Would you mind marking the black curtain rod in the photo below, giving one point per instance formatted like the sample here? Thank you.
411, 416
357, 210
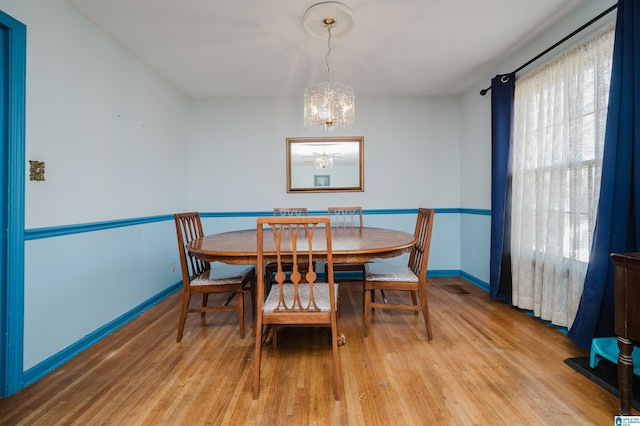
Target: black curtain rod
614, 7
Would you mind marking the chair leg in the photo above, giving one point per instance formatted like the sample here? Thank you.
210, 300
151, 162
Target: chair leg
364, 277
240, 309
335, 364
425, 312
205, 300
252, 283
256, 358
274, 336
415, 301
367, 310
186, 297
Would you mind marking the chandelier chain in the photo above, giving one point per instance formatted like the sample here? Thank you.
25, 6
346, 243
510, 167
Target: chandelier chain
328, 53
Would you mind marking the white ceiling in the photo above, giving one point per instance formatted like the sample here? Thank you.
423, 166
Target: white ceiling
211, 48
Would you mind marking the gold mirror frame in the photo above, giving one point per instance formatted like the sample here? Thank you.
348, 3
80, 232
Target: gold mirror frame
345, 175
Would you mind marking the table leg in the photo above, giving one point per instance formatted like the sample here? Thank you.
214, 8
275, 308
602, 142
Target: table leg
625, 374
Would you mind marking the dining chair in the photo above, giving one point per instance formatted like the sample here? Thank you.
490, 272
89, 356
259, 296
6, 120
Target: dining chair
290, 211
349, 218
199, 277
270, 268
302, 301
386, 275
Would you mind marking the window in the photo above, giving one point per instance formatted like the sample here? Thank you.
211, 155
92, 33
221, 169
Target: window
558, 137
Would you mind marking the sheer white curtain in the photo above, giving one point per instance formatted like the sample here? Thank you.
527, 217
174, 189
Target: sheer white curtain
559, 122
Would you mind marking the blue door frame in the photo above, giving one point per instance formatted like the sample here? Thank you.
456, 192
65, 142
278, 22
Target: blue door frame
12, 184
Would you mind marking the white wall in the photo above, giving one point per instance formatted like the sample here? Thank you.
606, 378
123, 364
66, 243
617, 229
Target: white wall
113, 136
237, 154
111, 132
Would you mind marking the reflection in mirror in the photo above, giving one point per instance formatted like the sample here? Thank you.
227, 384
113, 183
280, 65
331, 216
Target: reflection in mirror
325, 164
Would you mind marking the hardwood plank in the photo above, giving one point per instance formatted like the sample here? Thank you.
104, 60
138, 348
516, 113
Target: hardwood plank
488, 363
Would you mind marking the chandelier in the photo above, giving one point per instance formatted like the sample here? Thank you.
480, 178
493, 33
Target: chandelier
329, 104
323, 161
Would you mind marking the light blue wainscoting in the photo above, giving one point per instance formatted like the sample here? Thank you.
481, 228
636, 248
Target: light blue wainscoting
475, 243
83, 282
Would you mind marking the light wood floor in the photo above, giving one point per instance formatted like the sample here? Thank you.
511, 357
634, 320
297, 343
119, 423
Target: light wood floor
489, 364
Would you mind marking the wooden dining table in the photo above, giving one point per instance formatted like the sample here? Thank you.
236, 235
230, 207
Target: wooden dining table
349, 245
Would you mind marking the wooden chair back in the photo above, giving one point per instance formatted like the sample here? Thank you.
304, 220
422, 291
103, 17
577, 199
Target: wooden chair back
345, 217
290, 211
419, 257
270, 268
188, 228
294, 239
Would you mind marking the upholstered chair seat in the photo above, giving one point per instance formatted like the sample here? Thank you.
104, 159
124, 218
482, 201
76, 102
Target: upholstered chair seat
320, 292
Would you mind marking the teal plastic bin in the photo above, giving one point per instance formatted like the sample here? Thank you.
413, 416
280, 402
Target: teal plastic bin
607, 348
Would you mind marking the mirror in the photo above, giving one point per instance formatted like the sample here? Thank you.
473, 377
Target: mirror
325, 164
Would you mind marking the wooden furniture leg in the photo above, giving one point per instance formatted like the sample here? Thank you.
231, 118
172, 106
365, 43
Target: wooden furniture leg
625, 374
